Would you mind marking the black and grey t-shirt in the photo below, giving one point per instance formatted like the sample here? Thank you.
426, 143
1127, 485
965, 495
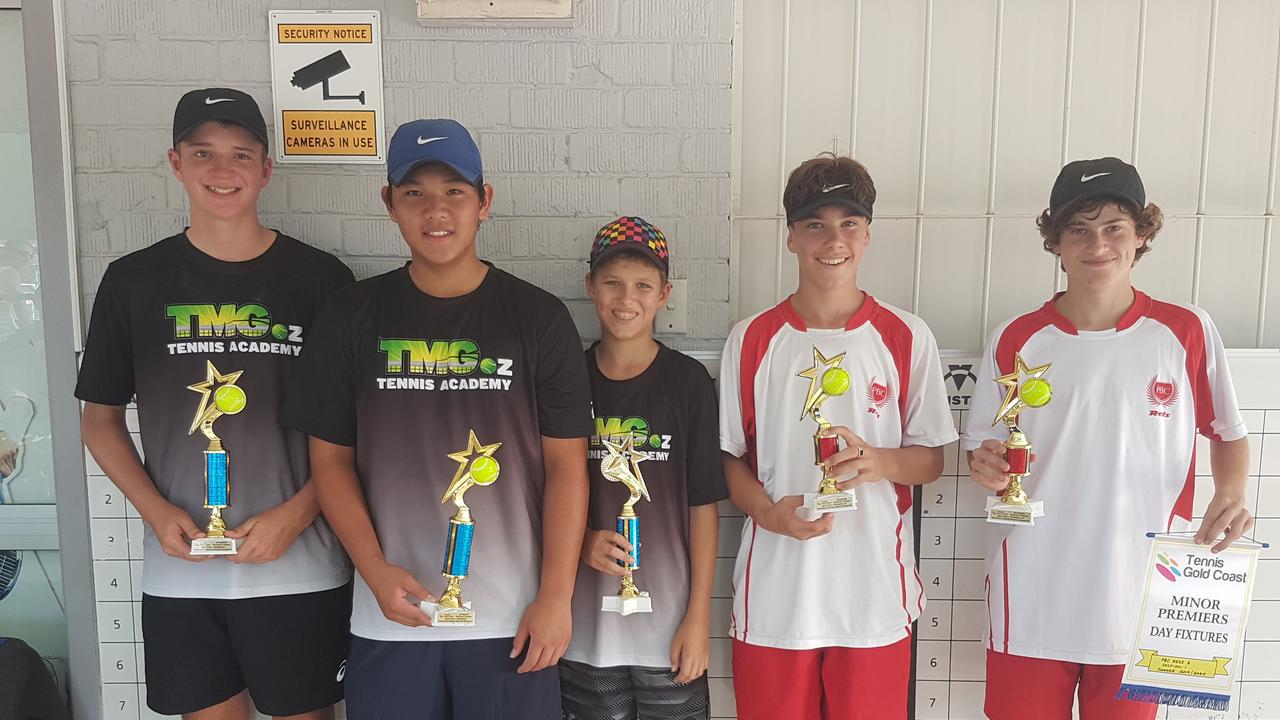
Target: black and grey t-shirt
670, 409
403, 376
160, 316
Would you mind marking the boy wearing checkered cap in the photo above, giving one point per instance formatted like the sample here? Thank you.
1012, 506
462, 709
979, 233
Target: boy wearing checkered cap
657, 408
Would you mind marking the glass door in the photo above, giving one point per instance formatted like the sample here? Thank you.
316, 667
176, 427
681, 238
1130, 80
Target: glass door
31, 597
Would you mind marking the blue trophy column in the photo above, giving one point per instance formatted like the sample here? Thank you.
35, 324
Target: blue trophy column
629, 528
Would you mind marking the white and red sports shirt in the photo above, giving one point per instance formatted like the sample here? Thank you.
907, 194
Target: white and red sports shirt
1115, 459
857, 586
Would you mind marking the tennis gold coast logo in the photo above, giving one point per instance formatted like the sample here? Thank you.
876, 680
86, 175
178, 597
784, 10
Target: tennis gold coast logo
230, 327
441, 365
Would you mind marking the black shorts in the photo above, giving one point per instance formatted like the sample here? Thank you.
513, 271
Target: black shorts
287, 650
628, 692
446, 680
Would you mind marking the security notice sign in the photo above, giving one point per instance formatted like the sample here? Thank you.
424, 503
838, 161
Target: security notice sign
326, 84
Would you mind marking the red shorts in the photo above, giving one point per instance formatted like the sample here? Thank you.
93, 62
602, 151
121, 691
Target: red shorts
833, 682
1025, 687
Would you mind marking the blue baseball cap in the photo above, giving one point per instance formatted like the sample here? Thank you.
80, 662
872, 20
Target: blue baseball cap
441, 140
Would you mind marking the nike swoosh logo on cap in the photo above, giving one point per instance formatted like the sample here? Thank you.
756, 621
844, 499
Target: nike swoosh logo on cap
424, 141
1086, 177
212, 100
829, 188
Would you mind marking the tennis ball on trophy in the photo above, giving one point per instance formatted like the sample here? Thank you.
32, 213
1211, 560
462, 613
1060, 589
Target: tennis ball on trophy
279, 332
835, 382
488, 366
229, 399
1035, 393
484, 470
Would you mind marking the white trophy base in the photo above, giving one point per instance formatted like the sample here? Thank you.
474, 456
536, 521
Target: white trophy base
820, 503
1006, 514
213, 546
626, 606
449, 617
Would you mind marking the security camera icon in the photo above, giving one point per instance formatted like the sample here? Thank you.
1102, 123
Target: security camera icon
320, 72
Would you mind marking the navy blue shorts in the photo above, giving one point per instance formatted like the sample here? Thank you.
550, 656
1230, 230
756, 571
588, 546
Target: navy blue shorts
446, 680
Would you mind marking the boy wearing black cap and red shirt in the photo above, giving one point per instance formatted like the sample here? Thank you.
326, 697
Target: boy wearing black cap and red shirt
1134, 380
822, 609
230, 294
404, 371
645, 665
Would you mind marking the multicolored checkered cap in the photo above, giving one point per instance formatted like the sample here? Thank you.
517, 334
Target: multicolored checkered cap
631, 233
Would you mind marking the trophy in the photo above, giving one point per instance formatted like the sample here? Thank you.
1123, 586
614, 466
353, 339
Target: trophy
826, 380
476, 466
1026, 388
228, 399
621, 464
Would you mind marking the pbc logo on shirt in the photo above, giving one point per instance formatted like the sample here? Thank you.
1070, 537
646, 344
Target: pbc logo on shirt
878, 395
1162, 396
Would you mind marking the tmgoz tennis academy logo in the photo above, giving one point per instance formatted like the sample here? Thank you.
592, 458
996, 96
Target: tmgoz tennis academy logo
230, 327
453, 364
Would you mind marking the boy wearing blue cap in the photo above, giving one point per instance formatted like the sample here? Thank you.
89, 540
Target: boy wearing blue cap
410, 379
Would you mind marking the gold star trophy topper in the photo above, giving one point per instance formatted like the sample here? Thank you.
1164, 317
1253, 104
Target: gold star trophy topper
621, 464
228, 398
1025, 387
826, 380
476, 467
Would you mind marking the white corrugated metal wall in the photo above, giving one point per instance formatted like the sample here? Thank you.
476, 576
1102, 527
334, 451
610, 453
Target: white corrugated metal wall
964, 110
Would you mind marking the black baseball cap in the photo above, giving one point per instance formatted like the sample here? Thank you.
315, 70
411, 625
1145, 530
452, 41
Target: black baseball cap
839, 194
1106, 177
200, 106
847, 190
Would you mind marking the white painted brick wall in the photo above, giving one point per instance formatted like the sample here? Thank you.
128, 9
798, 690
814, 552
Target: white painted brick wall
627, 63
155, 59
574, 108
627, 111
624, 152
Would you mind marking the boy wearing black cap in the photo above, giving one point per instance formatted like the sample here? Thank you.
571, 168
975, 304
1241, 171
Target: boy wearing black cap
410, 376
227, 303
649, 661
822, 609
1135, 379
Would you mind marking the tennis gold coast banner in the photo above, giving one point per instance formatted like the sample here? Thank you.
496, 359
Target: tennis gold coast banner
1190, 635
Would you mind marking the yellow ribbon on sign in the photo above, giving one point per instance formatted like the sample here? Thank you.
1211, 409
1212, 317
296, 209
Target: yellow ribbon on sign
1189, 667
